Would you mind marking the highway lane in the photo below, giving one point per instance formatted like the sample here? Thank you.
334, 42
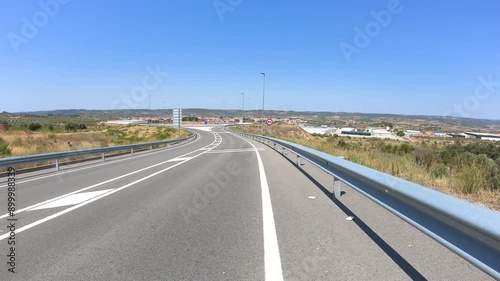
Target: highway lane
35, 187
318, 243
201, 217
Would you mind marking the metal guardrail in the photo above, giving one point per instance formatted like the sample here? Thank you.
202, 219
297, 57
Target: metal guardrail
21, 160
469, 230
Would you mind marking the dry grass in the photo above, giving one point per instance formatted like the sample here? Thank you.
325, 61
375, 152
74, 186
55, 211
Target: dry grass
366, 152
28, 143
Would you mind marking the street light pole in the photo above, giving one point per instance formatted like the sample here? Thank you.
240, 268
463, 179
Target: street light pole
149, 102
223, 111
263, 95
243, 109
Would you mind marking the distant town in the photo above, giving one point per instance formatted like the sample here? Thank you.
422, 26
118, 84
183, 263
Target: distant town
391, 126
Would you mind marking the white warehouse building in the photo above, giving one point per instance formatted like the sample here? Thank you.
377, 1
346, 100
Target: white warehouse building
482, 136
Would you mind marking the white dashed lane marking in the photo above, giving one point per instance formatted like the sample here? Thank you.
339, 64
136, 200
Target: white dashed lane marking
72, 199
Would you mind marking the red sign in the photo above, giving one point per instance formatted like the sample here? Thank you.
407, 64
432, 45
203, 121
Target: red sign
269, 121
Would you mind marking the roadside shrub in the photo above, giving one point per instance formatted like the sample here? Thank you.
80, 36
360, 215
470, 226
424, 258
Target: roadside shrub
425, 157
162, 134
342, 144
114, 132
463, 159
134, 139
50, 127
4, 149
471, 179
394, 169
406, 148
491, 150
387, 147
477, 172
330, 139
34, 126
440, 171
118, 134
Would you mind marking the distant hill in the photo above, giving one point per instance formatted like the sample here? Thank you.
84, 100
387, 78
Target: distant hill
423, 122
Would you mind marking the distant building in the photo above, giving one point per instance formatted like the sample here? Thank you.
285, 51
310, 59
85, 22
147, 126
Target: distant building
346, 129
379, 132
428, 134
411, 133
440, 134
454, 135
127, 122
319, 130
482, 136
357, 133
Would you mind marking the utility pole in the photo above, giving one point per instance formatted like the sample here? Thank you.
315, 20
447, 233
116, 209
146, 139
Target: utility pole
243, 109
263, 95
223, 111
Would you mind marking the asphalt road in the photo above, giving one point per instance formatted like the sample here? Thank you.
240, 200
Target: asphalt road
218, 208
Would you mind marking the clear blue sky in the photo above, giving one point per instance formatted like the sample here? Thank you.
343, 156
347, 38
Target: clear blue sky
427, 59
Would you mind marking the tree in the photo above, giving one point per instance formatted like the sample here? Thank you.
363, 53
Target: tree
74, 126
400, 134
34, 126
71, 127
190, 119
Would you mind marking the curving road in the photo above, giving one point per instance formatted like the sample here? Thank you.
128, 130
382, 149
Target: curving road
218, 208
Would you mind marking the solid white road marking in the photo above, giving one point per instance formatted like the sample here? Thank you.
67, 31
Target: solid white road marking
72, 199
179, 159
106, 163
272, 260
26, 227
208, 129
233, 150
92, 186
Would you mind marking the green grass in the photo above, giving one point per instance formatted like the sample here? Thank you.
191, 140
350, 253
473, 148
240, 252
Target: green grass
165, 133
4, 149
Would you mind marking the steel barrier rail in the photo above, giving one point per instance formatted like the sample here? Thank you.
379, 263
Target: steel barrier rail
20, 160
469, 230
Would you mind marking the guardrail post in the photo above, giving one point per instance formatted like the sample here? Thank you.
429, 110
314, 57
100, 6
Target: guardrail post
103, 157
131, 151
57, 164
150, 147
298, 160
337, 191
